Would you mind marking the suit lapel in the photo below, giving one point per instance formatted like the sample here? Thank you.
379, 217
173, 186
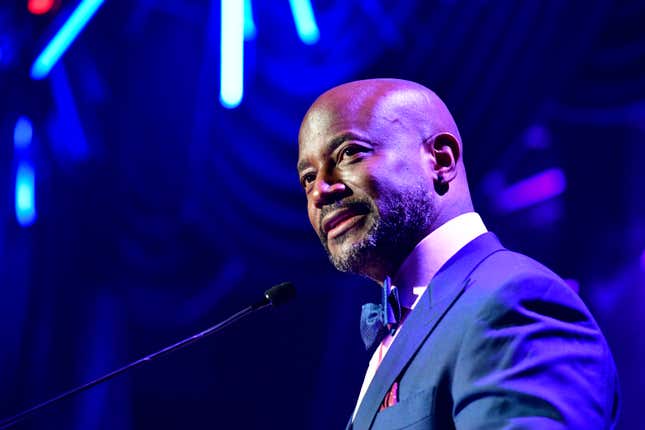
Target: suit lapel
444, 290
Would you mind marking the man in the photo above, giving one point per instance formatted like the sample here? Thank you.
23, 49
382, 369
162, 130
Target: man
486, 338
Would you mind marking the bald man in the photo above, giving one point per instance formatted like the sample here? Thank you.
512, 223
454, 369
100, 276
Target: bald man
469, 335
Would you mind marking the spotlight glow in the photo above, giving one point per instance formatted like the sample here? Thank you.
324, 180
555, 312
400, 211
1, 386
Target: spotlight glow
64, 38
22, 133
303, 15
40, 7
249, 23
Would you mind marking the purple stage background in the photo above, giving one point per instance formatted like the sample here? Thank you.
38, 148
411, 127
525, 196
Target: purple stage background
136, 209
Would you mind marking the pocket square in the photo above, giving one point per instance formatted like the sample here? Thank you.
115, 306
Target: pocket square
391, 397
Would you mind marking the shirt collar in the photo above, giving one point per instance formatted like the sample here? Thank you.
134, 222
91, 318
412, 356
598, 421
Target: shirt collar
434, 251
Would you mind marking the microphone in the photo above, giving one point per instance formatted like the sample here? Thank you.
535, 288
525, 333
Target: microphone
275, 296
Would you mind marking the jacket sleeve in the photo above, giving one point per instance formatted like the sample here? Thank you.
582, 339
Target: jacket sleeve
534, 358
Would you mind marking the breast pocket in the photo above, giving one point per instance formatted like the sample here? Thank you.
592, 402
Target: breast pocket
412, 413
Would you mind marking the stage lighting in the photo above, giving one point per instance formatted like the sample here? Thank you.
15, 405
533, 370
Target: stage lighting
25, 194
532, 190
303, 16
25, 203
40, 7
64, 38
22, 133
232, 53
249, 23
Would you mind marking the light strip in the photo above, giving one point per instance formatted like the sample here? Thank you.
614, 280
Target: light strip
64, 38
303, 15
232, 53
25, 199
530, 191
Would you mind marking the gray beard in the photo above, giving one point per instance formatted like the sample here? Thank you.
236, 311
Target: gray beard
397, 225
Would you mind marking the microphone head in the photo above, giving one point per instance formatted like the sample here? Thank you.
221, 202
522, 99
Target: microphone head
280, 294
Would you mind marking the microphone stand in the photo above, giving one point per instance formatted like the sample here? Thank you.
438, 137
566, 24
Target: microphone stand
274, 296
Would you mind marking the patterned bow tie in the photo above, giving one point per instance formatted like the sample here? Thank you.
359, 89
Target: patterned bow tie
377, 321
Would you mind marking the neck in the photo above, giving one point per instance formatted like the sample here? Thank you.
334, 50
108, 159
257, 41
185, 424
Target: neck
425, 260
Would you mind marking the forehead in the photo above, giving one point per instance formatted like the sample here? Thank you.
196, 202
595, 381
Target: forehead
323, 122
373, 115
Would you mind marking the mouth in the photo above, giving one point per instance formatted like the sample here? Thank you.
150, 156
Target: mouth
340, 221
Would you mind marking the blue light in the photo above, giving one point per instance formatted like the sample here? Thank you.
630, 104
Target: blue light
66, 131
232, 53
303, 15
25, 194
22, 133
249, 23
65, 36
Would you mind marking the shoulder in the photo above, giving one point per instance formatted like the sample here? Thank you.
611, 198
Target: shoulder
528, 337
507, 279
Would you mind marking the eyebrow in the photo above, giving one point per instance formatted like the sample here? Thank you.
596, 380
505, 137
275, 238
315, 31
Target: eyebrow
333, 144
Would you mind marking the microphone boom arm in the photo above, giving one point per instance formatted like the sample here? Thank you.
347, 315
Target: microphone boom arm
274, 296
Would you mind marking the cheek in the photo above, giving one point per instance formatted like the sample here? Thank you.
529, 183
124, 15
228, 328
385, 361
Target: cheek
384, 172
402, 172
366, 180
376, 182
312, 213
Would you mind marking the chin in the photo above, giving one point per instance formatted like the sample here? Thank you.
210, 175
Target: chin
352, 256
345, 243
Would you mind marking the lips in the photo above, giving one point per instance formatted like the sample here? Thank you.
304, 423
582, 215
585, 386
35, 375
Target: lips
340, 221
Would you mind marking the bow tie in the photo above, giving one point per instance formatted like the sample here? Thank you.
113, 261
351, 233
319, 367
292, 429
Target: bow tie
377, 321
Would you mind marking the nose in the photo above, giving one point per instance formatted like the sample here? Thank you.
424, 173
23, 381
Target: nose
327, 190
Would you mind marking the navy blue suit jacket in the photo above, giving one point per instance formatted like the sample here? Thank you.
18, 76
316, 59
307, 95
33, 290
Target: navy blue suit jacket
497, 341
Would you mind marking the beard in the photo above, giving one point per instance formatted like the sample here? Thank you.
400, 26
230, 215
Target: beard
395, 224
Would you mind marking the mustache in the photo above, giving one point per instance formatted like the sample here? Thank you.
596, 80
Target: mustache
354, 205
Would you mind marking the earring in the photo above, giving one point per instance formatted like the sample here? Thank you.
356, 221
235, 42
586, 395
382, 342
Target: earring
440, 185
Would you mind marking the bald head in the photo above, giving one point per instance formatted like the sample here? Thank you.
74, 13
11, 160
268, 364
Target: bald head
393, 99
380, 161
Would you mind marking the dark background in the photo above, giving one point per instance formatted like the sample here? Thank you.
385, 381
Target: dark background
160, 212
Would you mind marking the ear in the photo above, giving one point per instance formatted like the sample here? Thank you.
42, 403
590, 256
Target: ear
444, 150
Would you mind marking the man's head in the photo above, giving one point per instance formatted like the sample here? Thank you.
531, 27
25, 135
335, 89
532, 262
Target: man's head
380, 162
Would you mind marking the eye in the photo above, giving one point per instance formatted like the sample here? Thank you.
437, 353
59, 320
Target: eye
307, 179
350, 152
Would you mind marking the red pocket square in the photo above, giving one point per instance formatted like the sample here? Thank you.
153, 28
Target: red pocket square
391, 398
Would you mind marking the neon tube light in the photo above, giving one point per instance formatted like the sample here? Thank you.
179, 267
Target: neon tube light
232, 53
303, 15
25, 194
64, 38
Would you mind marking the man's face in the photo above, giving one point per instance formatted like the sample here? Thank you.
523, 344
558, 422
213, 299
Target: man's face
367, 193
